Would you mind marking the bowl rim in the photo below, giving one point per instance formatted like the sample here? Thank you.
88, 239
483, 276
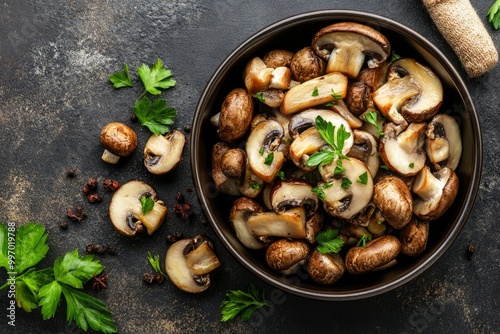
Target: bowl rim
477, 152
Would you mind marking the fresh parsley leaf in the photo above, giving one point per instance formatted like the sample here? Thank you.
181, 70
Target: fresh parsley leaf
269, 159
363, 178
494, 14
28, 286
339, 169
260, 97
315, 91
255, 185
329, 241
4, 237
281, 175
372, 118
154, 261
411, 165
261, 151
242, 303
50, 297
364, 239
31, 246
384, 167
336, 96
155, 115
394, 56
327, 132
346, 183
147, 204
318, 190
155, 77
324, 157
121, 79
74, 270
331, 104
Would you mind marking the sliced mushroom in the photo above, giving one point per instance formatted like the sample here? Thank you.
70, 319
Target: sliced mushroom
226, 185
235, 115
289, 224
126, 211
339, 107
325, 269
118, 140
257, 75
262, 149
306, 65
402, 151
393, 198
288, 194
413, 93
314, 92
377, 254
278, 58
241, 210
436, 192
346, 200
188, 263
313, 227
307, 119
286, 256
365, 149
414, 237
345, 46
444, 143
163, 153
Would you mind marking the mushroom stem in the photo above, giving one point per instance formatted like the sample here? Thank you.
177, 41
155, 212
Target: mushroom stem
109, 157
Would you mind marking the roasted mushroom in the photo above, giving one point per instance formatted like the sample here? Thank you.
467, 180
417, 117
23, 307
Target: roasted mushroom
278, 58
118, 140
127, 212
413, 93
306, 65
235, 115
443, 144
365, 149
241, 210
188, 263
436, 192
289, 224
286, 256
393, 198
414, 237
377, 254
224, 184
345, 46
325, 269
293, 193
163, 153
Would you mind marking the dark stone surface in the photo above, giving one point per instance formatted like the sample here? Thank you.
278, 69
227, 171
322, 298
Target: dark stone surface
55, 58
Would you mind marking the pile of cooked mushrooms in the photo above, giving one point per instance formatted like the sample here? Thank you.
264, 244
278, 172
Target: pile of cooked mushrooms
393, 174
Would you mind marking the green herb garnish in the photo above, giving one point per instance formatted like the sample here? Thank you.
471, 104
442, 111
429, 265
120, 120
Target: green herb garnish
154, 261
121, 79
261, 151
156, 116
281, 175
411, 165
147, 204
363, 178
269, 159
346, 183
242, 303
260, 97
336, 96
394, 57
155, 77
255, 185
318, 190
364, 239
329, 241
372, 118
494, 14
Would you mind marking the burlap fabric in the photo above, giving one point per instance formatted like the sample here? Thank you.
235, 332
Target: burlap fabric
460, 25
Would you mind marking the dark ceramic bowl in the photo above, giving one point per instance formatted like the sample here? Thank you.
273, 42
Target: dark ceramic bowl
294, 33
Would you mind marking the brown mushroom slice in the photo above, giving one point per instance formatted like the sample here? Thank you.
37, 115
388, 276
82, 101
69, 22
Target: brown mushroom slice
226, 185
286, 256
235, 115
289, 224
339, 107
126, 213
444, 143
241, 210
393, 198
345, 46
118, 140
293, 193
251, 184
414, 237
188, 263
377, 253
313, 227
346, 201
262, 149
278, 58
413, 93
163, 153
257, 75
365, 148
314, 92
307, 119
306, 65
402, 151
436, 192
325, 269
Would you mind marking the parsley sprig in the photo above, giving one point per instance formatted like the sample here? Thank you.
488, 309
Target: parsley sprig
155, 77
147, 204
363, 240
44, 288
155, 115
242, 303
494, 14
336, 143
121, 79
154, 261
329, 241
372, 118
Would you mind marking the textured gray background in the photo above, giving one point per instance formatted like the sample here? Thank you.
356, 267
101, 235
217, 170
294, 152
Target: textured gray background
55, 57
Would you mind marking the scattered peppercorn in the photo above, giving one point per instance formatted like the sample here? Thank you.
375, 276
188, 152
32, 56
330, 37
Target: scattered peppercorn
179, 197
183, 211
64, 224
187, 127
90, 185
110, 185
71, 173
94, 198
100, 249
133, 118
173, 237
153, 278
99, 282
77, 216
189, 189
471, 249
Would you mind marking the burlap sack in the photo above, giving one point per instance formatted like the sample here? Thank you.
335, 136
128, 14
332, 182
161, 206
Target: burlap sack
460, 25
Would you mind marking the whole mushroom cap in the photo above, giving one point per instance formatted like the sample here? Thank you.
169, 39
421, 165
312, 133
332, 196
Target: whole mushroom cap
118, 139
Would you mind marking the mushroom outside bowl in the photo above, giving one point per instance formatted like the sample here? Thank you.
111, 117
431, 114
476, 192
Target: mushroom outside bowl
293, 34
